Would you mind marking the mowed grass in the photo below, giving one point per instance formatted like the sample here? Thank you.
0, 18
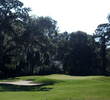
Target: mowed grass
58, 87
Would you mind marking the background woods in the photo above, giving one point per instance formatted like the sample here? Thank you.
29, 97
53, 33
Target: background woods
33, 45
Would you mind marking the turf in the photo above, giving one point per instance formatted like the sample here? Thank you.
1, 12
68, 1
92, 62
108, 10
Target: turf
58, 87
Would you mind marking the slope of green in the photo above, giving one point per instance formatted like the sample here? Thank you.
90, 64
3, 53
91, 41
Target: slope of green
58, 87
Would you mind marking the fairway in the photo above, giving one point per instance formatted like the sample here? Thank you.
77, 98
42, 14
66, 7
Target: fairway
58, 87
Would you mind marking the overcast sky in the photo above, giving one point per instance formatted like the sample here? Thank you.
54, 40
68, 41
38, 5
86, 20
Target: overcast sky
72, 15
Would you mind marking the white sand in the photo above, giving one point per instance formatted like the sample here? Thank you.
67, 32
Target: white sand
22, 82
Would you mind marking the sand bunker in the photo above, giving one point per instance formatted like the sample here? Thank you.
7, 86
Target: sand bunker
21, 82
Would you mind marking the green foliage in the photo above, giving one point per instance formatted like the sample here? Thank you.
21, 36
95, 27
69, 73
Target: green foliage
32, 45
12, 17
102, 34
81, 55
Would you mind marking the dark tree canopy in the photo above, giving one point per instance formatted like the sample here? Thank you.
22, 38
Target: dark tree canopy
103, 37
12, 20
31, 45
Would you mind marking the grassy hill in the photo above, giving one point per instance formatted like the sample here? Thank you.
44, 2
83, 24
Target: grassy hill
58, 87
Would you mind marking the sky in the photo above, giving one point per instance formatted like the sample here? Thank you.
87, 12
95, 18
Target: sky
72, 15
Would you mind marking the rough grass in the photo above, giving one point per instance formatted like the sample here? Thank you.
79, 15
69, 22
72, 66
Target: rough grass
58, 87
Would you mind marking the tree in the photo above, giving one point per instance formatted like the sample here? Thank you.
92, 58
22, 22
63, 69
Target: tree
12, 19
46, 26
80, 57
102, 35
37, 43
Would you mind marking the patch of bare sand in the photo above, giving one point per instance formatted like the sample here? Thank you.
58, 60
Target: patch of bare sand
22, 82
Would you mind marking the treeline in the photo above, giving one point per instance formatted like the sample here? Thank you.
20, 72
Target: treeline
32, 45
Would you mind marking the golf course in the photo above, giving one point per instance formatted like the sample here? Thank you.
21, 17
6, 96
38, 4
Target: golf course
54, 50
57, 87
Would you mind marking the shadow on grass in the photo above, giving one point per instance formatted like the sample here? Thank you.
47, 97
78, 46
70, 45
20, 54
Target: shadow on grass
9, 87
